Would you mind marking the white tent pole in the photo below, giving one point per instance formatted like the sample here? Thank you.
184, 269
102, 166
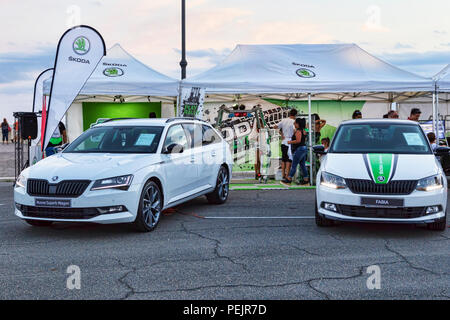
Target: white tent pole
434, 113
178, 113
311, 182
437, 116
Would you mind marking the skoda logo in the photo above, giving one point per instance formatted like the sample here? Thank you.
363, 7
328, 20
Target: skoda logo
380, 178
113, 72
81, 45
305, 73
55, 178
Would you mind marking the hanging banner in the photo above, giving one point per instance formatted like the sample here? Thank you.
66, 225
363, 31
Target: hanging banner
38, 89
38, 99
191, 102
79, 51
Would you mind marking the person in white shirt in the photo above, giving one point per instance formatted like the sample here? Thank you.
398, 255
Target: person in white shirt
286, 127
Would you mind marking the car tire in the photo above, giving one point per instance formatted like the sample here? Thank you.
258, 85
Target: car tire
322, 221
440, 225
39, 223
150, 207
222, 189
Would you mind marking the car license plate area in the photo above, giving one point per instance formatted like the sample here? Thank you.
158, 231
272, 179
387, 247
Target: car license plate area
382, 202
53, 203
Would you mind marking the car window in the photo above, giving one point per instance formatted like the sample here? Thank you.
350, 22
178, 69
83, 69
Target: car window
210, 136
380, 138
195, 134
118, 139
176, 135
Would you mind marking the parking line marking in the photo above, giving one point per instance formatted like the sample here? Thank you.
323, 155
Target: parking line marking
285, 217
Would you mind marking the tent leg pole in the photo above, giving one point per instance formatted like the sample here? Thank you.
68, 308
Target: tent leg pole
311, 180
437, 117
434, 113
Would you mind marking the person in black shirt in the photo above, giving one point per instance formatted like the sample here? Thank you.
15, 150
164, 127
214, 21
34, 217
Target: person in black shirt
58, 138
299, 152
5, 130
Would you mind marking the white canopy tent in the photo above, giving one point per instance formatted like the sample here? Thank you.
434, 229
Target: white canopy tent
313, 71
120, 77
345, 70
443, 80
119, 73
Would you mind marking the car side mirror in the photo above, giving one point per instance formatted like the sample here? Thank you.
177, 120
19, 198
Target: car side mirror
62, 147
173, 148
319, 149
442, 151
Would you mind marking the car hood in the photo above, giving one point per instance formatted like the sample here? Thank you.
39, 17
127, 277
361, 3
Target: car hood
397, 166
90, 166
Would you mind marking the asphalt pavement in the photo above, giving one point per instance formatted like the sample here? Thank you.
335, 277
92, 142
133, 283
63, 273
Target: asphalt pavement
259, 245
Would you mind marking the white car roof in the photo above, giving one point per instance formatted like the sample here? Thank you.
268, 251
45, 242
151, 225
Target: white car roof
384, 120
148, 122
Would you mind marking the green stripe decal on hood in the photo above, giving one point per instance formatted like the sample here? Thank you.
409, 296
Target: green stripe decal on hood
381, 166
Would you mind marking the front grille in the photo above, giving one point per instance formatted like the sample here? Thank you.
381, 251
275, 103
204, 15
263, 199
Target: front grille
59, 213
403, 187
366, 212
66, 188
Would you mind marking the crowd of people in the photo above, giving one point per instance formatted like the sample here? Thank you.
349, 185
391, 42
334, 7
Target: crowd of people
294, 134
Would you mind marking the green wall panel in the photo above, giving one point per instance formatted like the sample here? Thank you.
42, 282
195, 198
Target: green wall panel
96, 110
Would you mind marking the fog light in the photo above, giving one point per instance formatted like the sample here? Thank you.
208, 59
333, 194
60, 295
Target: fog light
330, 206
433, 209
114, 209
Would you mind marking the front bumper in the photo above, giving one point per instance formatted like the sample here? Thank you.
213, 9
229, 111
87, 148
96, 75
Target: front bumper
88, 200
344, 197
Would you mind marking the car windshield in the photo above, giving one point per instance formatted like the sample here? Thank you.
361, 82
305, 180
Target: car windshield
120, 139
380, 138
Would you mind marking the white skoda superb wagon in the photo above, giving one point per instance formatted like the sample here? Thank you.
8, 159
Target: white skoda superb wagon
126, 171
381, 171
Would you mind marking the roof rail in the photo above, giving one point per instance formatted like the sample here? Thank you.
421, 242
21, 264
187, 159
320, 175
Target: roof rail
114, 119
185, 118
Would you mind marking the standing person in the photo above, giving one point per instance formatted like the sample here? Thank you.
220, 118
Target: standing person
326, 143
59, 137
5, 131
318, 125
357, 114
415, 114
299, 152
392, 114
432, 138
286, 127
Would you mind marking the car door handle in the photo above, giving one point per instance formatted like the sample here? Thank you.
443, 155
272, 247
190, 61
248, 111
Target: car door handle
213, 153
192, 159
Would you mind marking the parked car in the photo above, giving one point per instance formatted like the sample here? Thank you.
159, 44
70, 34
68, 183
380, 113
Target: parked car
381, 171
126, 171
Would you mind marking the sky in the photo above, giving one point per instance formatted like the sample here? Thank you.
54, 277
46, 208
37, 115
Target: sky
411, 34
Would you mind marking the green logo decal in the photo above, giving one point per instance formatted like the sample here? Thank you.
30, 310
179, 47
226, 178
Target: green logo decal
305, 73
81, 45
113, 72
381, 166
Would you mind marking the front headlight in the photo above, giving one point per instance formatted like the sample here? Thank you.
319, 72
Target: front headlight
430, 183
121, 182
21, 181
332, 181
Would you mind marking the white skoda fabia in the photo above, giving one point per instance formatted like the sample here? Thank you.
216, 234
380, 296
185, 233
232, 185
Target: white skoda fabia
381, 171
126, 171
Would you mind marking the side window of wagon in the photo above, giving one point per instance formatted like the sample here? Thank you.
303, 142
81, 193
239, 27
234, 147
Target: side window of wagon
210, 136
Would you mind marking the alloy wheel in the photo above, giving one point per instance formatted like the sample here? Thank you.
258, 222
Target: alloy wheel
151, 209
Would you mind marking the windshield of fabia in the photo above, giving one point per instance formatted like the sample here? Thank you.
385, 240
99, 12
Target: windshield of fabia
117, 140
380, 138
